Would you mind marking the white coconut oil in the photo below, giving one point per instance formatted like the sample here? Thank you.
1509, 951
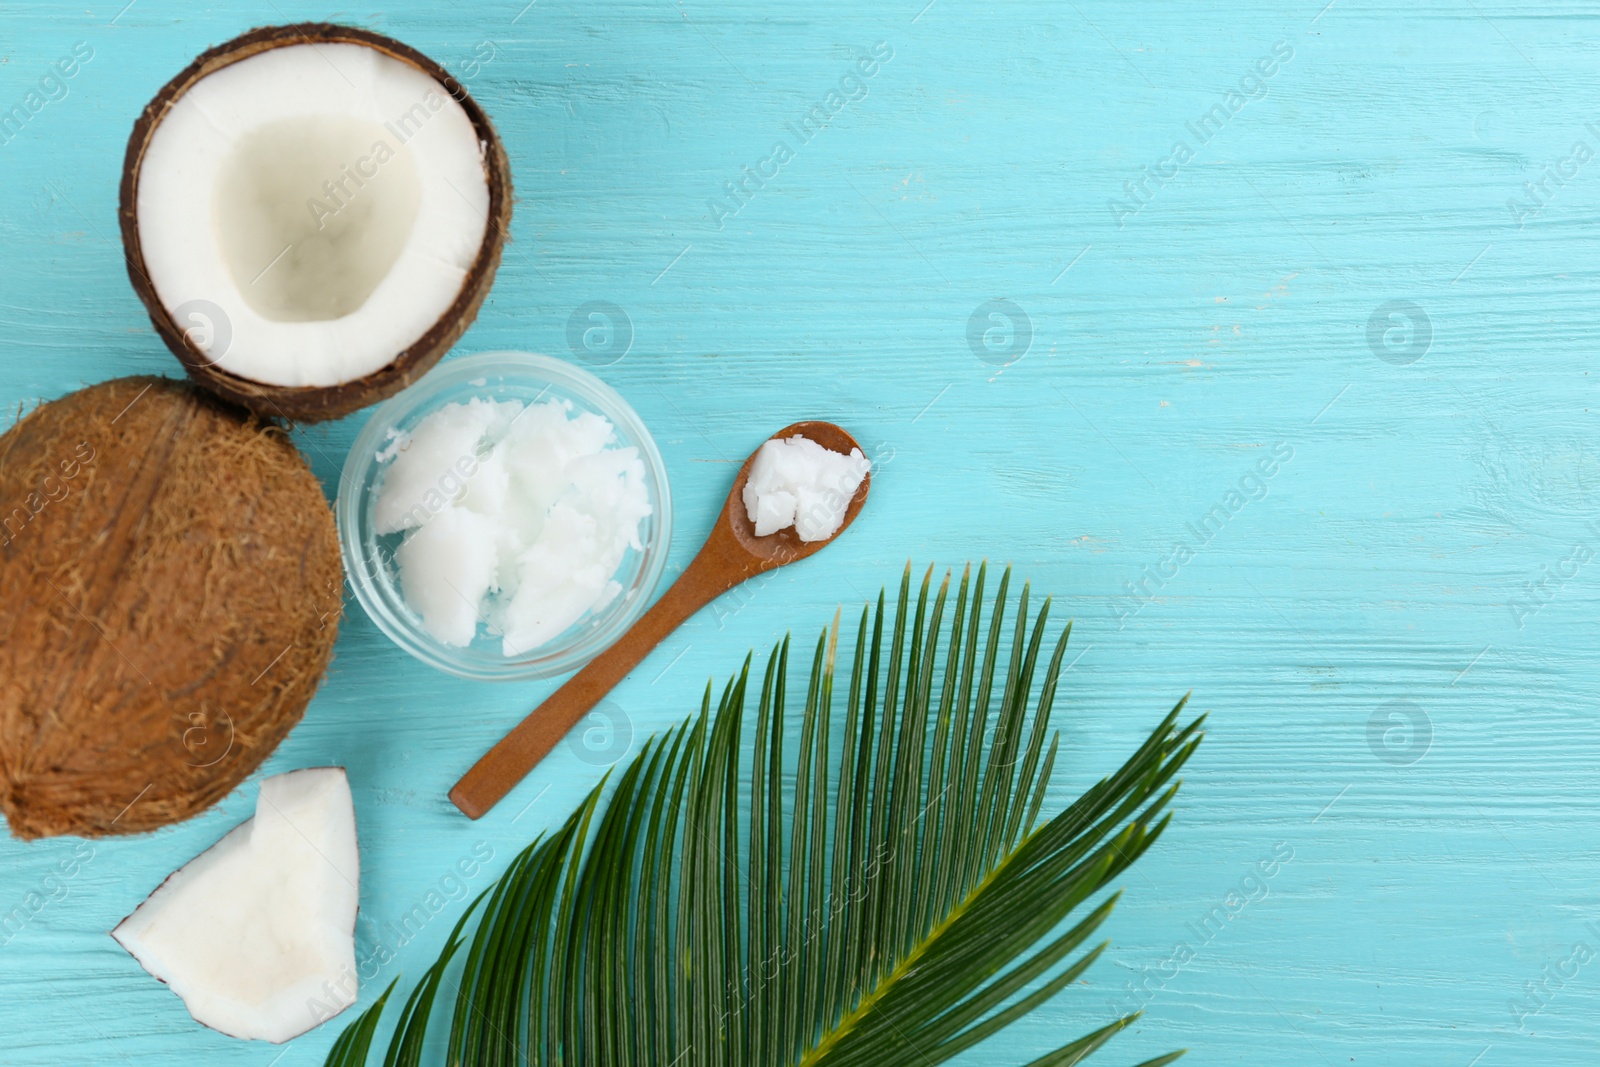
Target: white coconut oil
796, 482
516, 518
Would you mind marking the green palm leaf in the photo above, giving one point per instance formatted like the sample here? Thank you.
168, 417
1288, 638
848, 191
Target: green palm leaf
886, 896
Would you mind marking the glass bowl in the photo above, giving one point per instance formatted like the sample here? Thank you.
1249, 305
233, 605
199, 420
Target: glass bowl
369, 558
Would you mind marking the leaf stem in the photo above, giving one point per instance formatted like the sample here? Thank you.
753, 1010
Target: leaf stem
865, 1005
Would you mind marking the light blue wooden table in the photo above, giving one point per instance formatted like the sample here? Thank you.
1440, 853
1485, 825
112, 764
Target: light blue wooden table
1078, 273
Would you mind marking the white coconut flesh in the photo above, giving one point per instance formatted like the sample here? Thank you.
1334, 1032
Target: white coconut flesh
307, 214
257, 933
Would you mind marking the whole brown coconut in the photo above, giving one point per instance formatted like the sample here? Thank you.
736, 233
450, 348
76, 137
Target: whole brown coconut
171, 589
315, 403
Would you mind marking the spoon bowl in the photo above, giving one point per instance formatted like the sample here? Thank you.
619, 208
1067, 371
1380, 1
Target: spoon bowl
732, 553
785, 545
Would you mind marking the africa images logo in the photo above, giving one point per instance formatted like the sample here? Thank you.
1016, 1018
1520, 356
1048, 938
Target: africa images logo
52, 88
1137, 192
851, 89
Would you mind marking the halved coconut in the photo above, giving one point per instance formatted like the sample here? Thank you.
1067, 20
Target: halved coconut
257, 933
312, 215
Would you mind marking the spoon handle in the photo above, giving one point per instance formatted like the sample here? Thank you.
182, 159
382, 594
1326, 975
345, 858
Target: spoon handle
712, 573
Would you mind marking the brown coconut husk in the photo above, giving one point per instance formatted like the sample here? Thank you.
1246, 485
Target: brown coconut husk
315, 403
172, 590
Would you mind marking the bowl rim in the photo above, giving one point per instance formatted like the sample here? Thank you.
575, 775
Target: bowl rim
359, 474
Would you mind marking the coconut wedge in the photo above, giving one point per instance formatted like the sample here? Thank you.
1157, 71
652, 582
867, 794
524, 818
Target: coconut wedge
257, 933
312, 215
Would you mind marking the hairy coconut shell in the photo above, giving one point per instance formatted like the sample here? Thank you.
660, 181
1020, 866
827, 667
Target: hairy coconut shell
315, 403
172, 589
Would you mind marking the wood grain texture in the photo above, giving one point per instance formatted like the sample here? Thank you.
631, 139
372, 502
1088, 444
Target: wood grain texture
1419, 544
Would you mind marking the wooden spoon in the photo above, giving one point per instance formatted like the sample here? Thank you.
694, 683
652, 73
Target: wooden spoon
732, 554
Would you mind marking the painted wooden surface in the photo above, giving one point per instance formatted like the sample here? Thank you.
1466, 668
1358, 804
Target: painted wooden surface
1371, 272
